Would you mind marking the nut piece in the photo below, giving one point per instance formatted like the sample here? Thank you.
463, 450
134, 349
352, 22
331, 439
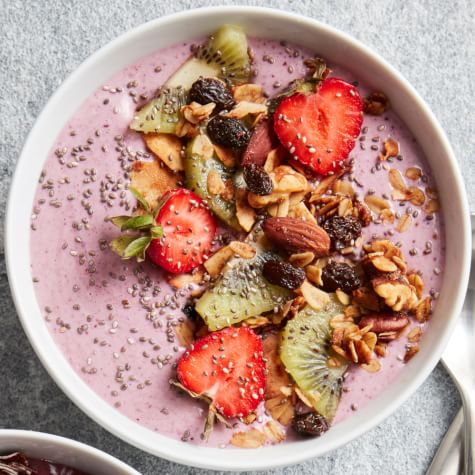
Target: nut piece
250, 439
167, 148
196, 113
391, 149
396, 291
245, 215
273, 432
424, 310
295, 235
367, 298
215, 264
383, 322
316, 298
152, 180
278, 386
377, 103
263, 140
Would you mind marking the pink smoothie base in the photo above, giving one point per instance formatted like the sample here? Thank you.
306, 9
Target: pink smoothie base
114, 320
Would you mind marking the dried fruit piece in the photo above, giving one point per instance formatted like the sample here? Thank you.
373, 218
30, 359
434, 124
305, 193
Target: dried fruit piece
342, 230
309, 424
206, 90
339, 275
228, 132
257, 180
296, 235
283, 274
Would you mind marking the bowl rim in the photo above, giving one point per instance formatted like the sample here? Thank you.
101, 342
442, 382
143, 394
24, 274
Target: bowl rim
28, 436
211, 458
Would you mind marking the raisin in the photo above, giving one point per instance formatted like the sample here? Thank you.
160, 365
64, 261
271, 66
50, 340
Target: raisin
257, 180
343, 231
283, 274
338, 275
228, 132
206, 90
309, 424
189, 310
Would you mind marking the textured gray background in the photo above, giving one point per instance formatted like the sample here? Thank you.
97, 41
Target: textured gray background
41, 42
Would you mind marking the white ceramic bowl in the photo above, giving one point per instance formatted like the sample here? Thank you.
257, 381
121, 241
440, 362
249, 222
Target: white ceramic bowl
60, 450
336, 47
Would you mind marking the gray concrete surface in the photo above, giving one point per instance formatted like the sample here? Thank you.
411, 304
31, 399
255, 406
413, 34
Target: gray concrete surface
41, 42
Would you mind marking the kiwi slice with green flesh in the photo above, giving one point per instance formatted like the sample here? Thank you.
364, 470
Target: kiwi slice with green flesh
162, 113
305, 350
241, 292
224, 55
197, 169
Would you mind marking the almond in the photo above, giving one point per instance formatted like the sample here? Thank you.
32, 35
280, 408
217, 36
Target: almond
296, 235
263, 140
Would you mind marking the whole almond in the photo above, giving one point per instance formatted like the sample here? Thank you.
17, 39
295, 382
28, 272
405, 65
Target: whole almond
296, 235
382, 323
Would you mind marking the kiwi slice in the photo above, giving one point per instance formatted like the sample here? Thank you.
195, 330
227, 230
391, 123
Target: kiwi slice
162, 113
223, 55
197, 169
227, 50
241, 292
305, 351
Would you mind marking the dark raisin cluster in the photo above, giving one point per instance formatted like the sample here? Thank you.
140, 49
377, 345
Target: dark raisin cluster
228, 132
338, 275
343, 231
257, 180
283, 274
206, 90
309, 424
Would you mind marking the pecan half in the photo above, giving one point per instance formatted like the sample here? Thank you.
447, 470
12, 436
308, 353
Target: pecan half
384, 322
295, 235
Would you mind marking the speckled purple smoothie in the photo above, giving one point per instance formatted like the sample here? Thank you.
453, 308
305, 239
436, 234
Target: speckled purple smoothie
114, 320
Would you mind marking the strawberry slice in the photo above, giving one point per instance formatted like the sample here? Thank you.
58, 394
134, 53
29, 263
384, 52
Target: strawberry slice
228, 368
188, 231
320, 129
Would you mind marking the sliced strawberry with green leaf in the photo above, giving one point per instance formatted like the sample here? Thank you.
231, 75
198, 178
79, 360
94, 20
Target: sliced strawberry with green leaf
188, 231
319, 129
177, 236
227, 369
